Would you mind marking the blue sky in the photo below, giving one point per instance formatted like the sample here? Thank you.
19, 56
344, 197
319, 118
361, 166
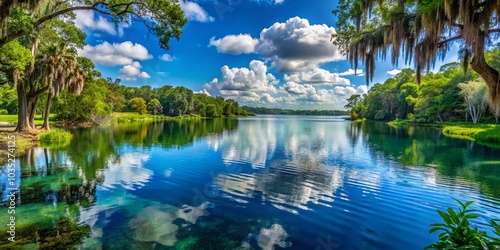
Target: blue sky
274, 53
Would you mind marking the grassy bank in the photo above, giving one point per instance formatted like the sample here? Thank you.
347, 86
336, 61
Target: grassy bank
21, 142
121, 117
488, 134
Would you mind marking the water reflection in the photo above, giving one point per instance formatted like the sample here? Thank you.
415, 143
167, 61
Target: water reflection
270, 183
427, 147
59, 185
300, 159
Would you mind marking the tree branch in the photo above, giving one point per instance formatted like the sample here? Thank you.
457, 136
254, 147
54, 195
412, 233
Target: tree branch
11, 36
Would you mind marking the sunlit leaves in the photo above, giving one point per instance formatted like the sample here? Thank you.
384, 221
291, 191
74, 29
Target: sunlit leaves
457, 231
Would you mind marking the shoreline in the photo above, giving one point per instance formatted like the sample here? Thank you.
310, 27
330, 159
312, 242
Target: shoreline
487, 134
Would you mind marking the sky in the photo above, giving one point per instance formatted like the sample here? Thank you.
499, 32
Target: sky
271, 53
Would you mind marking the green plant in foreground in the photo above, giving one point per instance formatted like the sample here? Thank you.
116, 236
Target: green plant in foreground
457, 232
55, 135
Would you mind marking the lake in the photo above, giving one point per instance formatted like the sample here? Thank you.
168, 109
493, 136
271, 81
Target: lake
265, 182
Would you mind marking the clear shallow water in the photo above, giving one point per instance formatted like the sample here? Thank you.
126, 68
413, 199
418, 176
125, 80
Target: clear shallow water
266, 182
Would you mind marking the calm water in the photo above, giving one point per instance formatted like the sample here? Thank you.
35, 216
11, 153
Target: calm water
266, 182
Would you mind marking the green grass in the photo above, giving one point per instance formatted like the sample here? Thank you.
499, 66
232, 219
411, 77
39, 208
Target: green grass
488, 134
22, 144
121, 117
59, 135
13, 119
399, 122
360, 120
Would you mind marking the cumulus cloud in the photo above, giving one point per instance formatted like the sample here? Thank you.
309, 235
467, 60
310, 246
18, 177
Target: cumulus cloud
86, 20
133, 71
317, 76
129, 70
350, 72
108, 54
267, 99
195, 12
393, 72
235, 44
253, 78
299, 94
167, 57
297, 45
144, 75
294, 45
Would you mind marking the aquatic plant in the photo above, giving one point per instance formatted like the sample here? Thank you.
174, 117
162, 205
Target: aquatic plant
457, 232
55, 135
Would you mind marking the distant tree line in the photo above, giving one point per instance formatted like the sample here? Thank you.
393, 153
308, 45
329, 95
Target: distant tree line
278, 111
448, 95
102, 96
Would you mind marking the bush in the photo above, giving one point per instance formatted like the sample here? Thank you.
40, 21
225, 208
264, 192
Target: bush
55, 135
4, 112
457, 232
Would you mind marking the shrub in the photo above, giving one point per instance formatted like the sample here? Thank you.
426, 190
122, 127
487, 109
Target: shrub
55, 135
4, 112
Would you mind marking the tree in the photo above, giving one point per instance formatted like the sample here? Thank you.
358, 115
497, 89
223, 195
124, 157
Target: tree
138, 105
60, 70
475, 94
368, 29
90, 106
155, 107
163, 18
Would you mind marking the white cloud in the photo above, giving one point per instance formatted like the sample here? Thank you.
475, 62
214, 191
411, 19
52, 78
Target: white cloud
254, 78
317, 76
195, 12
350, 72
108, 54
296, 45
133, 71
362, 89
393, 72
129, 70
166, 57
235, 44
144, 75
267, 99
86, 20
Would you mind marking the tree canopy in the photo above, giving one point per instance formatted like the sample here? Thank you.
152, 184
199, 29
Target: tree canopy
38, 41
421, 31
163, 18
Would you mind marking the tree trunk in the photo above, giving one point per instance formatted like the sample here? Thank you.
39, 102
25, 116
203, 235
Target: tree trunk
23, 116
47, 112
32, 111
489, 74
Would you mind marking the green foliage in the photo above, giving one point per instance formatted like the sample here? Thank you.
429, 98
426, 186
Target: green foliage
14, 56
163, 18
155, 107
138, 105
90, 106
437, 98
20, 20
278, 111
8, 99
458, 233
55, 135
